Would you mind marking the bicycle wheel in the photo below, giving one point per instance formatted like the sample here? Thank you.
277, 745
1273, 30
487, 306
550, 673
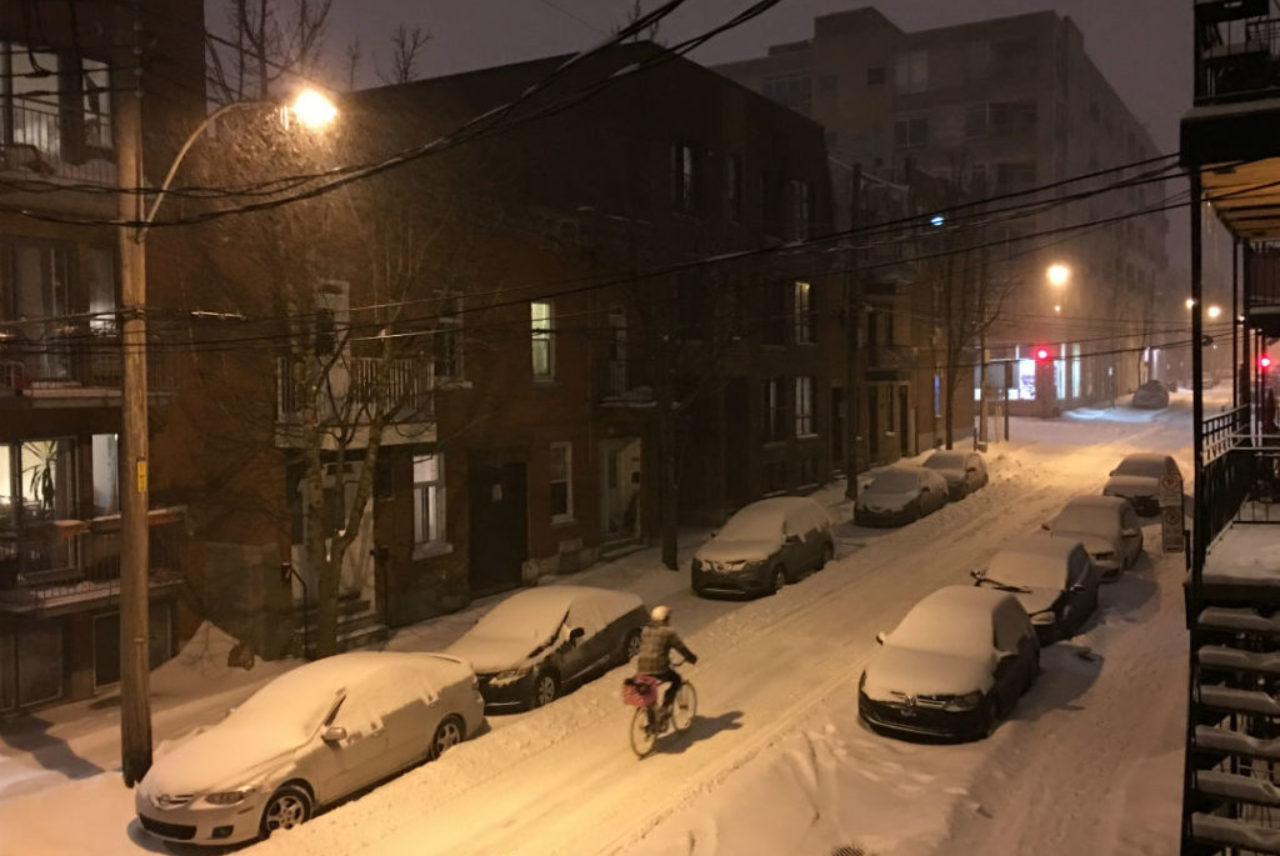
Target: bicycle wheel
642, 737
685, 707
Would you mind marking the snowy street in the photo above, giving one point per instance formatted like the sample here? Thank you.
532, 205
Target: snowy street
777, 761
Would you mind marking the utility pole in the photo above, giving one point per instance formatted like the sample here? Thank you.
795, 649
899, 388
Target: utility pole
135, 702
852, 315
980, 438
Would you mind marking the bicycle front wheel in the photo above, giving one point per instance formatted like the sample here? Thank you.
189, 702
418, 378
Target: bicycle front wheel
642, 737
685, 707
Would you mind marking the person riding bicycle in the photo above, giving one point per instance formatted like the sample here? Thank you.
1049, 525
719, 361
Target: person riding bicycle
656, 641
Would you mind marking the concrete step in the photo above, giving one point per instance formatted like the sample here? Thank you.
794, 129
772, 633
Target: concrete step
619, 547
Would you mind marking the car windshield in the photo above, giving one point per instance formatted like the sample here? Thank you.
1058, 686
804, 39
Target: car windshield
531, 615
1028, 570
1142, 466
893, 481
752, 524
294, 704
1084, 519
945, 461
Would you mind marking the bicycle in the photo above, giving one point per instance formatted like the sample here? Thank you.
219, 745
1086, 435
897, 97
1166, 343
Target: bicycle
652, 720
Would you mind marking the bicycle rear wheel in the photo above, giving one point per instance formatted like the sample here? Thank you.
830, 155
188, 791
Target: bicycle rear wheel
685, 707
642, 737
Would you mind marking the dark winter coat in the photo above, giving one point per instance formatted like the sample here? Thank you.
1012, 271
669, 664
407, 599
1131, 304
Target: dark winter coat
656, 642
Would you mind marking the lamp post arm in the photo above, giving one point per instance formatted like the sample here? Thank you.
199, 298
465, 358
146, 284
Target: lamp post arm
150, 216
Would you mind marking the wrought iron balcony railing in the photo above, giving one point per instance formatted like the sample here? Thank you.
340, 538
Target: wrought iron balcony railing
1237, 51
41, 361
37, 146
349, 392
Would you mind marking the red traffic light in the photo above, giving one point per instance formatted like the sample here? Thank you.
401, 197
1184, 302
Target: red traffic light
1042, 354
1264, 361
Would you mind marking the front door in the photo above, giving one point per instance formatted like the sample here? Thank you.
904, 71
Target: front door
904, 419
498, 527
620, 487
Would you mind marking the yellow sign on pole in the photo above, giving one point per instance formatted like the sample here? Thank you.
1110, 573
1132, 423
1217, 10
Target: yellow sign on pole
142, 476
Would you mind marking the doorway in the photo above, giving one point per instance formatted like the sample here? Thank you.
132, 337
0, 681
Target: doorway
904, 418
497, 524
620, 468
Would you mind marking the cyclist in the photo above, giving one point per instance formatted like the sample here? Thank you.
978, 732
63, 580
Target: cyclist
656, 641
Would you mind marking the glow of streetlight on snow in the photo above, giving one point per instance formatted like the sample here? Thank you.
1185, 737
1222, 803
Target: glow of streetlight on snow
1215, 311
1058, 274
313, 110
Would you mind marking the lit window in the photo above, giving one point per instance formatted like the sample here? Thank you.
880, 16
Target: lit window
448, 339
428, 499
804, 407
542, 335
684, 178
803, 308
560, 479
801, 209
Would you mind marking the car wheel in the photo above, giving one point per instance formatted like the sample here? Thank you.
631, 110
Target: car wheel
545, 689
779, 578
631, 645
828, 553
288, 807
449, 733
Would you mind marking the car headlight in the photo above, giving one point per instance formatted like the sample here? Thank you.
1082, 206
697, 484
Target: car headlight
968, 701
511, 675
1043, 618
229, 797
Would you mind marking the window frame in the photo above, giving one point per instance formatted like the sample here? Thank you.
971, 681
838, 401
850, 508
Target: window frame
775, 410
684, 178
805, 416
804, 327
543, 338
429, 506
447, 346
566, 447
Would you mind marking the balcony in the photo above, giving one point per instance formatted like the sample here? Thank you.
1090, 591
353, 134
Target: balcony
344, 404
62, 565
71, 366
1237, 51
39, 149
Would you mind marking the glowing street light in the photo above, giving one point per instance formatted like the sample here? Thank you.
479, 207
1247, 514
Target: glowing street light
1215, 311
1058, 274
1057, 307
313, 110
1190, 303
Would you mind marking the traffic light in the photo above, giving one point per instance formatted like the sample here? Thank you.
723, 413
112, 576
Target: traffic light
1043, 354
1264, 362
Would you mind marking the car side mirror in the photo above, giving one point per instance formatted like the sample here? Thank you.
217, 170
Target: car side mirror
334, 734
1113, 472
1076, 588
576, 633
880, 637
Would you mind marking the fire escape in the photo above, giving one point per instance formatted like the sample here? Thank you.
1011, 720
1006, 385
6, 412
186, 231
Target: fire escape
1231, 150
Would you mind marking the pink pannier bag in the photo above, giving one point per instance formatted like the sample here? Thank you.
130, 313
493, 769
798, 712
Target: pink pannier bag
640, 691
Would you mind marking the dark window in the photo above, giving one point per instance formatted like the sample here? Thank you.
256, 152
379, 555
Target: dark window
911, 132
805, 422
684, 178
777, 312
875, 75
733, 186
975, 121
774, 409
771, 213
801, 209
447, 339
1013, 119
793, 90
560, 478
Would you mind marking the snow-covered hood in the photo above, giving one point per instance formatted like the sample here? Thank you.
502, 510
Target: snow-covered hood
717, 550
1037, 599
894, 672
219, 759
1132, 486
488, 655
886, 501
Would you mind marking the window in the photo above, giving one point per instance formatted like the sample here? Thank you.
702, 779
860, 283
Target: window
98, 272
911, 71
775, 476
975, 121
911, 132
733, 186
802, 306
977, 60
106, 482
447, 340
542, 335
39, 284
95, 92
875, 75
801, 209
39, 663
774, 409
560, 478
326, 333
39, 95
428, 500
804, 407
771, 213
684, 178
794, 91
1013, 119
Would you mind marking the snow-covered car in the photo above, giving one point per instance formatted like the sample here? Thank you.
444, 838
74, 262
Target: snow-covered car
954, 667
308, 738
1107, 526
965, 472
1137, 479
1054, 579
899, 495
1152, 395
764, 546
532, 645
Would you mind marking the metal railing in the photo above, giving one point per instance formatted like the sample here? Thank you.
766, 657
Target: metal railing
37, 144
352, 384
38, 357
45, 562
1237, 60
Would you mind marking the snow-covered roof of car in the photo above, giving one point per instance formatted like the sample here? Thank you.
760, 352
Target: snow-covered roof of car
947, 460
767, 517
899, 478
952, 620
1033, 561
1095, 501
533, 614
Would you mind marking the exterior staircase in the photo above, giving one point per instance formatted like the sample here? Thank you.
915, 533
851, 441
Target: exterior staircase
358, 624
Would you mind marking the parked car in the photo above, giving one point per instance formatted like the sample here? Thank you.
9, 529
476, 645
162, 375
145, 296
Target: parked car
899, 495
307, 739
1107, 526
1152, 395
1054, 579
764, 546
954, 667
531, 646
1137, 479
965, 472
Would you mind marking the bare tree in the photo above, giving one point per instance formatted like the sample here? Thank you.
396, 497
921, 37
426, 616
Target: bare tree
269, 41
406, 49
353, 55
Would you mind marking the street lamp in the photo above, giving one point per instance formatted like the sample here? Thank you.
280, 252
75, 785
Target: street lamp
1190, 302
312, 110
1058, 274
1215, 311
